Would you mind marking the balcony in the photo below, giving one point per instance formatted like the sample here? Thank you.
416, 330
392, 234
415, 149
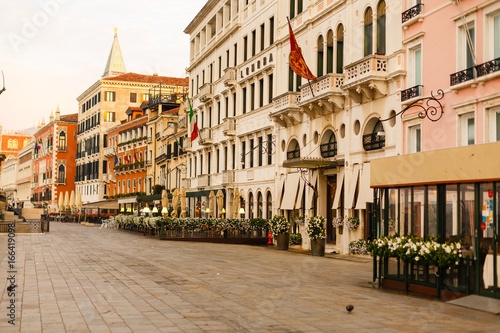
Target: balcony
206, 92
287, 111
161, 158
488, 67
412, 92
228, 177
366, 79
182, 122
150, 139
110, 177
230, 76
292, 154
206, 136
328, 149
411, 13
373, 141
229, 126
325, 97
109, 152
203, 181
471, 76
186, 182
186, 145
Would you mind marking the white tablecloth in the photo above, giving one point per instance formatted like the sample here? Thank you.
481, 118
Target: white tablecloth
488, 271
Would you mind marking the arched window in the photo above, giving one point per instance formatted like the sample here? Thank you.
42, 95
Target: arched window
329, 145
140, 156
368, 31
62, 141
250, 205
25, 143
320, 57
260, 204
61, 174
374, 139
9, 143
269, 204
329, 52
381, 27
340, 49
293, 150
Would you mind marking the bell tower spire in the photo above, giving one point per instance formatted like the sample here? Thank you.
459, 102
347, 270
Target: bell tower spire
115, 65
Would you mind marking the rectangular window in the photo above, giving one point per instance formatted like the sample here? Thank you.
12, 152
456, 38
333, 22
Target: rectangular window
220, 67
417, 66
110, 96
217, 163
292, 9
271, 31
269, 149
235, 54
227, 58
245, 48
254, 42
133, 97
225, 158
496, 37
415, 139
226, 102
109, 116
261, 92
251, 153
262, 36
244, 100
234, 156
498, 126
470, 131
218, 113
270, 88
252, 96
260, 151
243, 156
234, 104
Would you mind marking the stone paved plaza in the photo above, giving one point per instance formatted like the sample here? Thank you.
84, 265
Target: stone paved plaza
84, 279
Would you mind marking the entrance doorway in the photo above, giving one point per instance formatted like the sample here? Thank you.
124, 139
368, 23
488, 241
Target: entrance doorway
331, 233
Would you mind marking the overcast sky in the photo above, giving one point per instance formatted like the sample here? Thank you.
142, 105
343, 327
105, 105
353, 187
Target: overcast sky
51, 51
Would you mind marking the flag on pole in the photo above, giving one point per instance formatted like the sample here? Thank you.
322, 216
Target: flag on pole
135, 156
116, 159
178, 143
193, 124
297, 62
36, 147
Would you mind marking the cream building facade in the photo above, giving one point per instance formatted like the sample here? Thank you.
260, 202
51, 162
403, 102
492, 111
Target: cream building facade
24, 174
318, 137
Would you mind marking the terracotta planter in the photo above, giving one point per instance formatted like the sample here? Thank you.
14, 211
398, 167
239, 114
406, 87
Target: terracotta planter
318, 247
282, 241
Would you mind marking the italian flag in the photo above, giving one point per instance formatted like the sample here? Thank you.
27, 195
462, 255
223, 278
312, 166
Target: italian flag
193, 124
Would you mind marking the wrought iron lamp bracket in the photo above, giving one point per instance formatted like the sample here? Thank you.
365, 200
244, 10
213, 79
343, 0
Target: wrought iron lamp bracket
431, 109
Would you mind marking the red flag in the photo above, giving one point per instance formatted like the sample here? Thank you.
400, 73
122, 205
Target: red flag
194, 133
135, 156
297, 62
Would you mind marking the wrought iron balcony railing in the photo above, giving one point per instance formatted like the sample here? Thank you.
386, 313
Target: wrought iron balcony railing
293, 154
462, 76
373, 141
411, 13
328, 149
488, 67
411, 93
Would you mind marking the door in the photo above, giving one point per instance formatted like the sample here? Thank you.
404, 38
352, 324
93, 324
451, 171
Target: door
331, 233
488, 251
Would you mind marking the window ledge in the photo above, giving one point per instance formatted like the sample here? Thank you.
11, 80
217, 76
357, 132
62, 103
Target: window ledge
413, 20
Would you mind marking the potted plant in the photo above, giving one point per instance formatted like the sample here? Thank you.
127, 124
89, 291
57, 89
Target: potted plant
338, 222
317, 233
280, 229
352, 223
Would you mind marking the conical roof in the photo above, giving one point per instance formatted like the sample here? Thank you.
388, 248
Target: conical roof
115, 64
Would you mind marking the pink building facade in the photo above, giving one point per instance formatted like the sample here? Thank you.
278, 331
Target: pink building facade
446, 184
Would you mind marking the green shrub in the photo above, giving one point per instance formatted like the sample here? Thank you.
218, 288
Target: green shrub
295, 239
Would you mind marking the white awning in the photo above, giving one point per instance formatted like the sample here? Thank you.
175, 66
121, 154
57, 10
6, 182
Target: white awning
300, 194
291, 186
365, 192
313, 178
338, 190
102, 205
281, 191
352, 187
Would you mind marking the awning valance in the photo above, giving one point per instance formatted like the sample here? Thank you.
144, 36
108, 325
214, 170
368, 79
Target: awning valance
352, 187
338, 190
113, 204
291, 187
365, 192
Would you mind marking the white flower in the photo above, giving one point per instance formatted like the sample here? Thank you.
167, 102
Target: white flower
417, 258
